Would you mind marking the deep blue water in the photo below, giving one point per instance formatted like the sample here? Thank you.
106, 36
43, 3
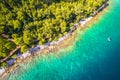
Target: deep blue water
91, 57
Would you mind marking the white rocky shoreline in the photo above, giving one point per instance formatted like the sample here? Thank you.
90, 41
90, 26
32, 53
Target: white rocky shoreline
38, 48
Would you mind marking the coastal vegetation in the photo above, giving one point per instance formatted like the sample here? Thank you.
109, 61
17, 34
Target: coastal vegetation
25, 23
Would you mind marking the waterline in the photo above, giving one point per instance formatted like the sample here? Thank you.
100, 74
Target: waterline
91, 57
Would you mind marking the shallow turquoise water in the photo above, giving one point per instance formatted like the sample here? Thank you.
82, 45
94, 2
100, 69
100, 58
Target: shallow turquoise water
91, 57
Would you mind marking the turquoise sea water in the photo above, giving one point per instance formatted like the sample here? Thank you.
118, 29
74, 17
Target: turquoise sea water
91, 57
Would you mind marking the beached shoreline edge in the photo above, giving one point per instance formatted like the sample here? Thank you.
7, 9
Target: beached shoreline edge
39, 48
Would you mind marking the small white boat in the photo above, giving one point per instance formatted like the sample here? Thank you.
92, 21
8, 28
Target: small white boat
109, 39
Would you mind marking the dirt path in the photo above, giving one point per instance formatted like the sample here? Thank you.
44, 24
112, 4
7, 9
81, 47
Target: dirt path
10, 54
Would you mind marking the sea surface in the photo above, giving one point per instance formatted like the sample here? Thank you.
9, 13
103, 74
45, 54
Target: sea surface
94, 55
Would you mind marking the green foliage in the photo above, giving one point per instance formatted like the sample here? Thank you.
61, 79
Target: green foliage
1, 29
24, 48
16, 24
3, 64
17, 39
41, 21
5, 47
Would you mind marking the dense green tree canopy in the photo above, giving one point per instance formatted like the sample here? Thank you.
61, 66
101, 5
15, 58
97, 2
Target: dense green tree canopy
41, 21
